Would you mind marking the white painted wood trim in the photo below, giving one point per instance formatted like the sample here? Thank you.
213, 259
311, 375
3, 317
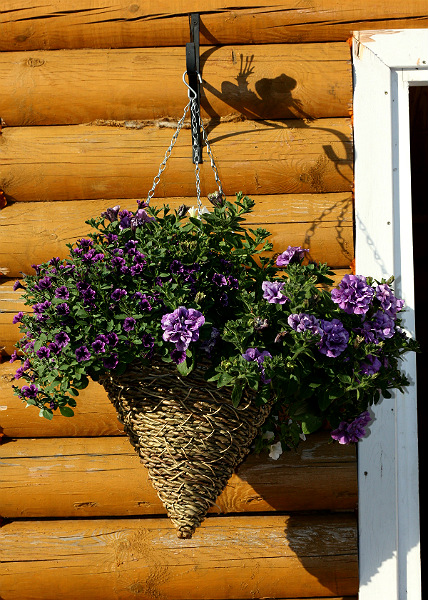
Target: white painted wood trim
385, 64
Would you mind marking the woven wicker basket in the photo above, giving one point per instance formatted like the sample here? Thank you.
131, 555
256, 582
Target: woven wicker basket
187, 433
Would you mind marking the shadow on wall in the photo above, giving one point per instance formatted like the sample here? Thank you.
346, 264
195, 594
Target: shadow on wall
270, 99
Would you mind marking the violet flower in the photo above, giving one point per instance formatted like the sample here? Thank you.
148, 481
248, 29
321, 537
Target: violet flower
302, 322
272, 292
352, 432
353, 295
372, 366
181, 327
334, 338
389, 303
82, 354
111, 213
293, 254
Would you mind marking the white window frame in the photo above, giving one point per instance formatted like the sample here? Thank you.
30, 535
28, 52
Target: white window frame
385, 64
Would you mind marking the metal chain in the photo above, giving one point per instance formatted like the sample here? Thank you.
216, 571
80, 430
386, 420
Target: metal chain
167, 154
195, 117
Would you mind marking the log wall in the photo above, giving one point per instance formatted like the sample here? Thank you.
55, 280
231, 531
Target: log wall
91, 96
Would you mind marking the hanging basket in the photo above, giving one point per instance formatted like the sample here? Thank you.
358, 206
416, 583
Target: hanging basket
187, 433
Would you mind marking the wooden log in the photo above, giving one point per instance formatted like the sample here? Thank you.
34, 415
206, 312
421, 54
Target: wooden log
115, 24
94, 416
11, 303
103, 477
256, 157
228, 557
257, 82
321, 222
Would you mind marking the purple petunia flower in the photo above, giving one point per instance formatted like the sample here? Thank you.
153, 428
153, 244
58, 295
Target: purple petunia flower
63, 309
44, 283
208, 345
254, 355
43, 352
302, 322
18, 317
381, 327
293, 254
55, 348
29, 391
334, 338
112, 339
353, 295
352, 432
372, 365
18, 285
181, 327
62, 339
219, 279
82, 354
139, 218
178, 356
111, 362
390, 304
62, 293
111, 213
13, 356
272, 292
98, 346
117, 294
129, 324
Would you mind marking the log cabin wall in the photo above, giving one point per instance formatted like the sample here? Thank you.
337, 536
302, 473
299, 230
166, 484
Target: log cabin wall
90, 97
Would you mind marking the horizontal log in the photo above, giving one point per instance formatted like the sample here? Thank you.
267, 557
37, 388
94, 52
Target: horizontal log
114, 24
94, 416
89, 162
11, 303
228, 557
321, 222
103, 477
257, 82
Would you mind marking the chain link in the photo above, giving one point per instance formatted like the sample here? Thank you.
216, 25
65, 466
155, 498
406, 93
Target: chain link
197, 121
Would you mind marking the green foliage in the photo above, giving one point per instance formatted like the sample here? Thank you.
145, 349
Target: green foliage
102, 308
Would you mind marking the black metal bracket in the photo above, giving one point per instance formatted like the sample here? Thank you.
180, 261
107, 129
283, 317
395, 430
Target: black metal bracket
193, 74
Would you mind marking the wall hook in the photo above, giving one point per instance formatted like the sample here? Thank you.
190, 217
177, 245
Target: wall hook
193, 74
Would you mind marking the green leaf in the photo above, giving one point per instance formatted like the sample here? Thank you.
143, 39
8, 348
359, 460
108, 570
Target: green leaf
237, 392
66, 411
46, 413
311, 424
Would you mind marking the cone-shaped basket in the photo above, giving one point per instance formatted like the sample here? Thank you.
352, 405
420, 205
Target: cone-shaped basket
187, 433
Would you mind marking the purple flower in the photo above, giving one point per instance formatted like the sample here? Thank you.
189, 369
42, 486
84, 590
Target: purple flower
18, 285
334, 338
63, 309
302, 322
98, 346
381, 327
178, 356
272, 292
112, 339
18, 317
111, 214
352, 432
82, 354
29, 391
117, 294
43, 352
353, 295
208, 345
372, 366
390, 304
110, 362
292, 254
13, 356
44, 283
62, 339
254, 355
139, 218
181, 327
54, 348
219, 279
62, 292
129, 324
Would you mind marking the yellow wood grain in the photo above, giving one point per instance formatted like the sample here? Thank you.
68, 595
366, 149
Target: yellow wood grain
32, 233
103, 477
256, 157
228, 557
114, 24
256, 82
